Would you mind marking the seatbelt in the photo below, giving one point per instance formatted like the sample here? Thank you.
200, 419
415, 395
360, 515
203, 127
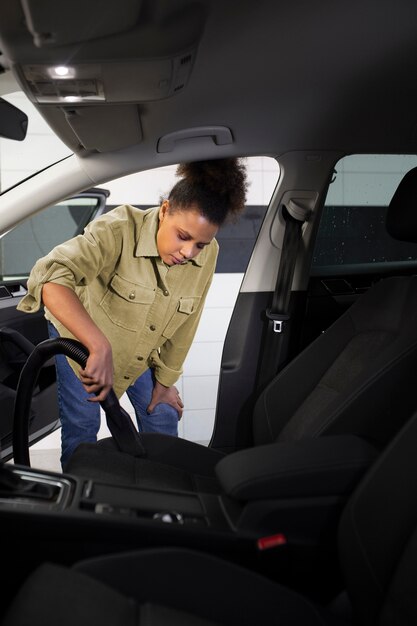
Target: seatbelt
277, 316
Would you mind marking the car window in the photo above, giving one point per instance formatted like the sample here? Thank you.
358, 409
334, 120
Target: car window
23, 245
352, 234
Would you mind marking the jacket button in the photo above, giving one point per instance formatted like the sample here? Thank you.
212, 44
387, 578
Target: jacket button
140, 358
126, 377
152, 327
132, 295
166, 292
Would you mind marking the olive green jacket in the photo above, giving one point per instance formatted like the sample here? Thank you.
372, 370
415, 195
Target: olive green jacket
147, 310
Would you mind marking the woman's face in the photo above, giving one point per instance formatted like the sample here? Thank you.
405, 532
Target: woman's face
182, 234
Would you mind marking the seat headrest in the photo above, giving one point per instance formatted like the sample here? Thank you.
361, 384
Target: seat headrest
401, 219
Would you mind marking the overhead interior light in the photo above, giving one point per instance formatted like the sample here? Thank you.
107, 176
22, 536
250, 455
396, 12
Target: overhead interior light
72, 98
64, 83
61, 71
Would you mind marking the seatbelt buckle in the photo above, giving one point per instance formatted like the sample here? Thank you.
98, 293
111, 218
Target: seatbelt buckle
278, 318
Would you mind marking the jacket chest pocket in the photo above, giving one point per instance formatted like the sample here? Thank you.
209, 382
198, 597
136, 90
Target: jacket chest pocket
127, 303
185, 308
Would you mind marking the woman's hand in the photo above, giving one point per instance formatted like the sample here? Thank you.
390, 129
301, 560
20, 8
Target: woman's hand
97, 376
64, 304
166, 395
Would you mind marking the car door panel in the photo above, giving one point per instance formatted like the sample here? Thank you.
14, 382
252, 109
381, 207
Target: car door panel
20, 248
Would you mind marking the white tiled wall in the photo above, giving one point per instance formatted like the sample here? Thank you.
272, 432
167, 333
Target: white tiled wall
198, 385
202, 365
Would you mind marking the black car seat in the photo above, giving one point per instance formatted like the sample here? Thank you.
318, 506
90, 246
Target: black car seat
378, 556
357, 378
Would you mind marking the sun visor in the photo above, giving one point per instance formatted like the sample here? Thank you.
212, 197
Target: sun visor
54, 23
105, 128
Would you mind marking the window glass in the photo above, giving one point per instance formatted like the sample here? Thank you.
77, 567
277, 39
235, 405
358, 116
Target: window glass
23, 245
352, 227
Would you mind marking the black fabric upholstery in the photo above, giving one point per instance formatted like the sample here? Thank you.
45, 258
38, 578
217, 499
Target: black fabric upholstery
355, 378
400, 603
377, 541
171, 584
204, 580
55, 596
312, 467
155, 615
181, 453
171, 463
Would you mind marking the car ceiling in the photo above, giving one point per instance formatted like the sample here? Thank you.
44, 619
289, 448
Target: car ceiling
277, 76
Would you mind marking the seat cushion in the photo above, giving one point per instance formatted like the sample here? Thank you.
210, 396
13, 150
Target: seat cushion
54, 595
170, 463
162, 587
203, 585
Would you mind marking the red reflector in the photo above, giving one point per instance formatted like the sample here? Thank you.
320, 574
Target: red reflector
264, 543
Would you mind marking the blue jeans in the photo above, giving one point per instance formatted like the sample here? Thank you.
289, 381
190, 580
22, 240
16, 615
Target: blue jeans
80, 419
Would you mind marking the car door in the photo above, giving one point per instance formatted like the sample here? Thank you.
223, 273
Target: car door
19, 249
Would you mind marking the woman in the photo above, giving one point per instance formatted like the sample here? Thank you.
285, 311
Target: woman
132, 289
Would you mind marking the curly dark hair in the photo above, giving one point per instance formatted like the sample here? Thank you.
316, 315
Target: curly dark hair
218, 188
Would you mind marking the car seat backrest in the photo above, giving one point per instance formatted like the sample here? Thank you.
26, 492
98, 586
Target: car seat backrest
356, 378
378, 536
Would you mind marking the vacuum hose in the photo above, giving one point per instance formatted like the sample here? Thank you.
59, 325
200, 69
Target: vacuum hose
123, 430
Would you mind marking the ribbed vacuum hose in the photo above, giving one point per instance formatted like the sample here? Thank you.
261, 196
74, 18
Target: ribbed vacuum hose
123, 430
